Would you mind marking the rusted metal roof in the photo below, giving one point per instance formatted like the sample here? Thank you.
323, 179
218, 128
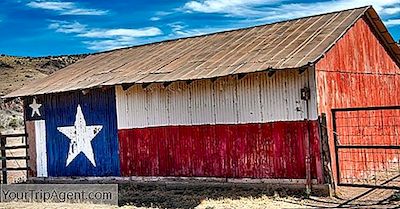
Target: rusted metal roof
283, 45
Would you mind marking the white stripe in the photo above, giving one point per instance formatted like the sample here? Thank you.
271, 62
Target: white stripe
41, 149
255, 98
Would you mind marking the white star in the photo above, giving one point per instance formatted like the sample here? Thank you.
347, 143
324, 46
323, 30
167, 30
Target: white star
35, 107
81, 137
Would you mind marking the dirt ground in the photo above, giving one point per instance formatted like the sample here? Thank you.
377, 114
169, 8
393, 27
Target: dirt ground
252, 197
150, 195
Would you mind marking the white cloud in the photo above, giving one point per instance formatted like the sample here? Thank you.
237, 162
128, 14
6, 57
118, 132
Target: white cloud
155, 18
122, 32
103, 45
159, 15
392, 22
288, 11
67, 27
58, 6
269, 10
231, 7
391, 10
65, 8
179, 30
84, 12
100, 39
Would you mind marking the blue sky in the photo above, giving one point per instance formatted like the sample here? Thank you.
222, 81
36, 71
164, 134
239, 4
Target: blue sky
54, 27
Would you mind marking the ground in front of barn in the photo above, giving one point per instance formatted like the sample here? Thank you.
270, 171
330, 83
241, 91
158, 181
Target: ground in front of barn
149, 195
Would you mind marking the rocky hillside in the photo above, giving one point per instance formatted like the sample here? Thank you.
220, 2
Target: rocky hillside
18, 71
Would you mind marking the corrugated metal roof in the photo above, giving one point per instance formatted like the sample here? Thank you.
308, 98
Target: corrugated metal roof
283, 45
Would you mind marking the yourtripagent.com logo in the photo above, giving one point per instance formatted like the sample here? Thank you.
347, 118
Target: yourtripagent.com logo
65, 193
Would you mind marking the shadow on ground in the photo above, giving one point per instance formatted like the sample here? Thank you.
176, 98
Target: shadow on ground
190, 196
349, 197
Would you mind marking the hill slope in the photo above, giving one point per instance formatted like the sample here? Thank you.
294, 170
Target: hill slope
16, 72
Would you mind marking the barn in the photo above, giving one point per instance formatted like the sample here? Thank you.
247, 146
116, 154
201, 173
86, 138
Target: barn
258, 103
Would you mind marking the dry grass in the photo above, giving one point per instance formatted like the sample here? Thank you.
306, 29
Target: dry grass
249, 202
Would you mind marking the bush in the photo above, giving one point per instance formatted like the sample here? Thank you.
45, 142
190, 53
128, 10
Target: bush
14, 123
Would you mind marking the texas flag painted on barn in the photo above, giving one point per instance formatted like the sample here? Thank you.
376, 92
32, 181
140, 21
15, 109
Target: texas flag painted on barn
79, 134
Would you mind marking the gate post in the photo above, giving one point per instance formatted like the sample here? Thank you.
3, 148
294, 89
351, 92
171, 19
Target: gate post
3, 158
325, 152
336, 143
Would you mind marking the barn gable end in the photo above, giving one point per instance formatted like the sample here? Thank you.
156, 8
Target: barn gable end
358, 71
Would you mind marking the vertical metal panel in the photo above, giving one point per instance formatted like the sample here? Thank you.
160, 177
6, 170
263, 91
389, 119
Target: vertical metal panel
131, 107
121, 105
274, 105
248, 99
41, 149
257, 150
356, 72
281, 98
202, 102
179, 104
156, 105
253, 99
30, 131
225, 101
312, 83
98, 109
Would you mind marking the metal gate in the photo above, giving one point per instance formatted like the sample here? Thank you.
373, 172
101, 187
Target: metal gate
367, 146
14, 158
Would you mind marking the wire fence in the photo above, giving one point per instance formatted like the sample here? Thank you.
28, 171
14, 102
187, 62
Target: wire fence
367, 145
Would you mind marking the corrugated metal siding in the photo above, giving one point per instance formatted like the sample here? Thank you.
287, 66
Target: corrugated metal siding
248, 99
178, 104
268, 150
201, 102
255, 98
30, 131
225, 100
41, 151
357, 72
283, 45
98, 107
156, 105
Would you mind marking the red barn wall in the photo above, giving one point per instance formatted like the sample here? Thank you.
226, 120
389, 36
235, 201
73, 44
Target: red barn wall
269, 150
356, 72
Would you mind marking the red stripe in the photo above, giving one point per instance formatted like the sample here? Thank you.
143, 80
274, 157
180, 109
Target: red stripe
268, 150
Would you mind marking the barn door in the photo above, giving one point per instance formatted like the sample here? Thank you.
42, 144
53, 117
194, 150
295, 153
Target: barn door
367, 146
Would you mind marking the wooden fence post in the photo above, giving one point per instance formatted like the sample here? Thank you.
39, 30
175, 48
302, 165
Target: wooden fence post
326, 156
3, 158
